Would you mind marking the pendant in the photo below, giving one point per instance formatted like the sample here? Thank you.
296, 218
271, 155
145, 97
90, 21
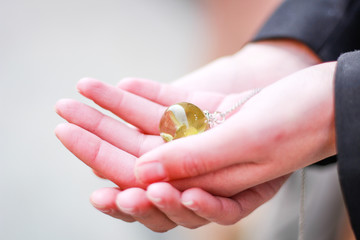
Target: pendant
185, 119
182, 120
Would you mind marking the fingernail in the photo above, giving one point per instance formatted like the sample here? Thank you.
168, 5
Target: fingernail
191, 205
125, 204
149, 172
156, 200
127, 210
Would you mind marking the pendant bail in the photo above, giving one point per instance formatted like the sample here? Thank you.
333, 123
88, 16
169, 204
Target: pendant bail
215, 118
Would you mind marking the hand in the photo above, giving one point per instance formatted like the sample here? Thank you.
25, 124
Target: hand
256, 65
291, 55
113, 156
287, 126
158, 216
111, 147
162, 207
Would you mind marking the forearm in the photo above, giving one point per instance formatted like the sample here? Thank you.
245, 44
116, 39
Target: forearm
272, 60
258, 64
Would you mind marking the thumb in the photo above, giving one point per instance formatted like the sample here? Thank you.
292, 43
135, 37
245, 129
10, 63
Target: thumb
196, 155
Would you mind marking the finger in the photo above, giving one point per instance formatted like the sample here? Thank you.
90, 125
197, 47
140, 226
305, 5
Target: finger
227, 211
188, 157
104, 200
135, 110
254, 197
134, 202
111, 162
166, 94
221, 210
228, 181
167, 199
113, 131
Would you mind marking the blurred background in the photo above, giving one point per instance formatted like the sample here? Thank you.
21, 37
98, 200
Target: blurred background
46, 46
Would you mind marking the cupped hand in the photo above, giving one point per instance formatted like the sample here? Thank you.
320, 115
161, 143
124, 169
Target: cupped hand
287, 126
292, 119
111, 147
257, 64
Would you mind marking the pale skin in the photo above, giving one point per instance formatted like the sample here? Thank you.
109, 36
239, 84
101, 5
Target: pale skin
299, 125
163, 206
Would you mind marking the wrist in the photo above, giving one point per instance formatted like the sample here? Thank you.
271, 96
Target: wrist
291, 48
278, 58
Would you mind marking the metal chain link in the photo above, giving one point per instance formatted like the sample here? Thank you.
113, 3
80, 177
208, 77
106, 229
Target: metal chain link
219, 117
302, 205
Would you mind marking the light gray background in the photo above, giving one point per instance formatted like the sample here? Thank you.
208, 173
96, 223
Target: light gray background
46, 46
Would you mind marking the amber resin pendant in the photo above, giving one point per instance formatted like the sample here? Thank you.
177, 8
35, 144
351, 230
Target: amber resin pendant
181, 120
185, 119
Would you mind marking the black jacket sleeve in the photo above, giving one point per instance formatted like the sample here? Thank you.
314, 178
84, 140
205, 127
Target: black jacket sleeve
328, 27
347, 122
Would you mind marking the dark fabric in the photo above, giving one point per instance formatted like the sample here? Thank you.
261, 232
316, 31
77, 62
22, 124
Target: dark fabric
347, 122
326, 161
328, 27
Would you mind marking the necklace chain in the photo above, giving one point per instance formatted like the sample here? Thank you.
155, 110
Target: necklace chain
302, 205
217, 117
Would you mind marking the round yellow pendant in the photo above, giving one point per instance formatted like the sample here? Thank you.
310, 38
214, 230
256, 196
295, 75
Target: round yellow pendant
181, 120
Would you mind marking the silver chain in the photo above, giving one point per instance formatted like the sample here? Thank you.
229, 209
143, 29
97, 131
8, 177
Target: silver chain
217, 117
302, 205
